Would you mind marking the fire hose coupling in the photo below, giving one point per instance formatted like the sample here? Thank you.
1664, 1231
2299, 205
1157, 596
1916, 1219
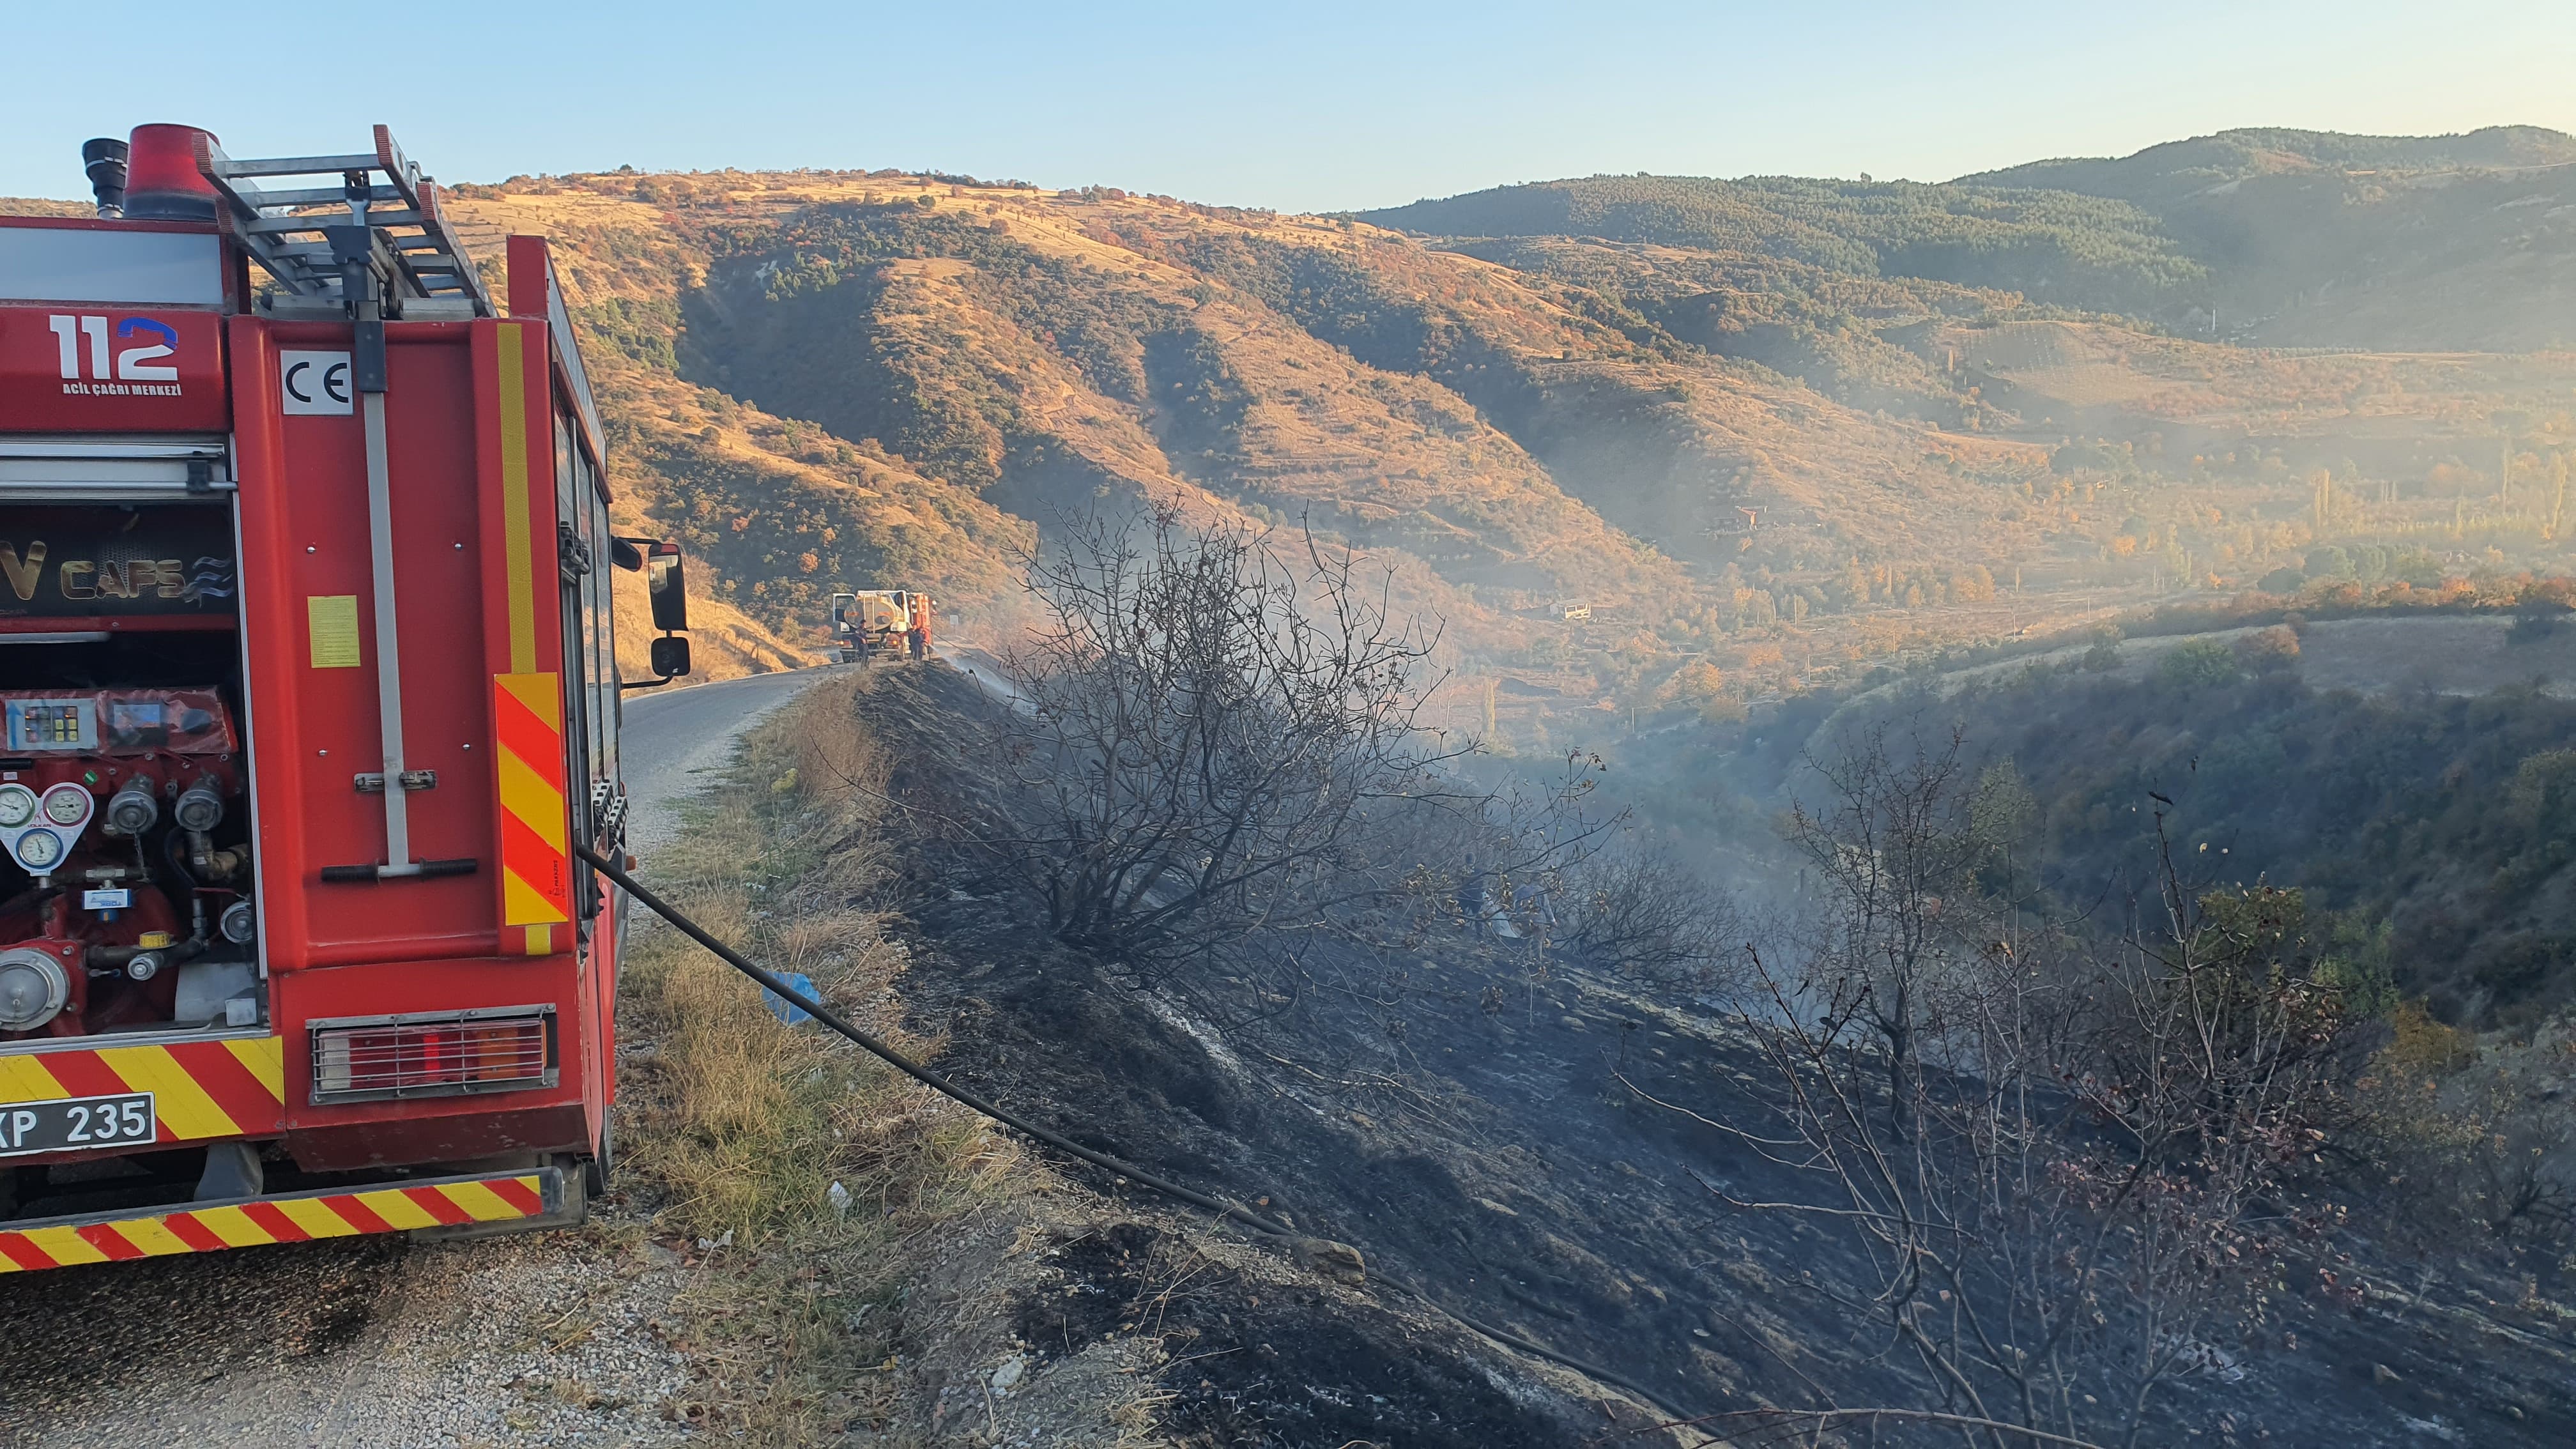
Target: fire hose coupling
200, 808
34, 988
133, 809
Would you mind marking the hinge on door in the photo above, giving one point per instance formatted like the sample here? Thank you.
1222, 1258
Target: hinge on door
373, 782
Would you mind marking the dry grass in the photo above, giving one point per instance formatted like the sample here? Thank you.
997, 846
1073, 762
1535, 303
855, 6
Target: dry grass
741, 1124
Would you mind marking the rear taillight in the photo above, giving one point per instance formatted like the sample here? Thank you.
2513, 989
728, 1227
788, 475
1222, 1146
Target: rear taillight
358, 1059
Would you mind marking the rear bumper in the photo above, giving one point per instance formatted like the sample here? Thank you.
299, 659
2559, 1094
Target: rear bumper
450, 1206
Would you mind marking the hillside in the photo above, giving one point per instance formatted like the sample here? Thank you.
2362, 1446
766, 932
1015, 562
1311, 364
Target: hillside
1629, 438
2053, 245
2317, 239
834, 379
1780, 467
2161, 175
2407, 772
2276, 237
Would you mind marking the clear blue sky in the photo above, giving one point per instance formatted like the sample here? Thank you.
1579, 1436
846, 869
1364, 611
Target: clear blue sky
1299, 106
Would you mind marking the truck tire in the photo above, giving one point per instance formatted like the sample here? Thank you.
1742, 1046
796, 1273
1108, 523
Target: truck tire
598, 1168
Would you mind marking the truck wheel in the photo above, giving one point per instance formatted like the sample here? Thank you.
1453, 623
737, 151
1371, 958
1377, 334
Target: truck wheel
600, 1166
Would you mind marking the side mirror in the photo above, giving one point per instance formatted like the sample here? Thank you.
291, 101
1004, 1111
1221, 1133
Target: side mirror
668, 588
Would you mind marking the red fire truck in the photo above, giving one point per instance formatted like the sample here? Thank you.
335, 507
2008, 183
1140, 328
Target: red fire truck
309, 685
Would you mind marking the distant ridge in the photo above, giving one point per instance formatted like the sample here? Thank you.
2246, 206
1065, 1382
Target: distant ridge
2273, 236
2052, 246
2164, 172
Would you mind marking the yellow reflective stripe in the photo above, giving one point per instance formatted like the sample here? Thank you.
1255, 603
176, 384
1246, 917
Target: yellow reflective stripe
525, 794
9, 1265
517, 577
234, 1226
24, 1079
521, 901
398, 1210
63, 1245
482, 1202
541, 939
316, 1218
538, 692
149, 1235
265, 1058
183, 1106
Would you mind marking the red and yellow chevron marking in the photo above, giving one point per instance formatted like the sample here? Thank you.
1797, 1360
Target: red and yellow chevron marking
200, 1089
536, 864
296, 1218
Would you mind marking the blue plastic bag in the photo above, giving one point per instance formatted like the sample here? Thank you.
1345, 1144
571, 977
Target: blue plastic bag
784, 1009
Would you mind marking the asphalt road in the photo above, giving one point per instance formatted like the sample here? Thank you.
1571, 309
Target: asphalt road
672, 737
376, 1343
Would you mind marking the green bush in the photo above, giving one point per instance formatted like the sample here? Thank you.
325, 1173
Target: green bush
2200, 664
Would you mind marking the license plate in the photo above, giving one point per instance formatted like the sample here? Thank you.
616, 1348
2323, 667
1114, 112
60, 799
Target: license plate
76, 1123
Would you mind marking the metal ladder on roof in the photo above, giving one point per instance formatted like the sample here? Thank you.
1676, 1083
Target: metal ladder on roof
311, 238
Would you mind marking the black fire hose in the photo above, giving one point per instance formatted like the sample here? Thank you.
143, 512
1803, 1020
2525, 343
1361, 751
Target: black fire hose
1062, 1143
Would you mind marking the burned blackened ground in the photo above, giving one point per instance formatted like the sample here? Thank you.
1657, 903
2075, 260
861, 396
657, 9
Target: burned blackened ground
1255, 1362
1466, 1126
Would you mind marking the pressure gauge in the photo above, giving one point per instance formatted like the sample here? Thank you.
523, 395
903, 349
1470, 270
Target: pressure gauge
67, 807
17, 806
40, 851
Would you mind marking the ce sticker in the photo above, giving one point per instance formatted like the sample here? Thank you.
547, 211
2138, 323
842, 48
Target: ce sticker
313, 383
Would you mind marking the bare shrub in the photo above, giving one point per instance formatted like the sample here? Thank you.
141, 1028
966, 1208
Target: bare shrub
1638, 914
2065, 1162
1888, 841
1220, 730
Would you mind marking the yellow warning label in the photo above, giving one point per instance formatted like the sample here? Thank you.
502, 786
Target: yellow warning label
335, 630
